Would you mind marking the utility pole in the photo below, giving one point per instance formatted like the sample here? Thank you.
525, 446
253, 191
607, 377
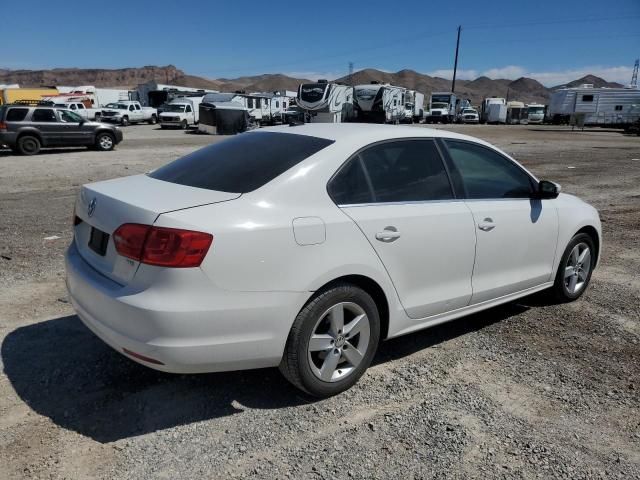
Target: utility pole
455, 63
351, 74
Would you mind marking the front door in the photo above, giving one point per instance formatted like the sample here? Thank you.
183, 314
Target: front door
399, 194
516, 233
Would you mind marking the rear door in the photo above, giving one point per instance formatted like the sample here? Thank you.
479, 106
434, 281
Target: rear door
51, 130
516, 234
399, 194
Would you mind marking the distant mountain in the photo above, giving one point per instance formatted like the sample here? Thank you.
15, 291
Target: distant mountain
523, 89
597, 82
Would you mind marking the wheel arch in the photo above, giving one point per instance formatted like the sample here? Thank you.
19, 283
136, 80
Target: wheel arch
30, 133
595, 236
376, 292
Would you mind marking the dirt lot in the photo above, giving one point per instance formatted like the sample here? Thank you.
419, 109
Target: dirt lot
528, 390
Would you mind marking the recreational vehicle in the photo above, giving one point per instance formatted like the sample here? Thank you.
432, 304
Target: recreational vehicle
443, 107
326, 102
413, 106
376, 103
486, 107
535, 113
154, 94
598, 106
516, 113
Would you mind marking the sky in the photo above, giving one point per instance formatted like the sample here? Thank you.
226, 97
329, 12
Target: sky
551, 41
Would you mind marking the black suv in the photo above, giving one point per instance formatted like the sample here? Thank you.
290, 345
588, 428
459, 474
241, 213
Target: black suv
25, 129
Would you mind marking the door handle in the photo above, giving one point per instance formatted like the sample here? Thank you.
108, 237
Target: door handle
486, 225
389, 234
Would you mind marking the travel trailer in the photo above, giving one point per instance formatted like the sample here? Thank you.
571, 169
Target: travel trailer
535, 113
325, 102
376, 103
154, 94
485, 109
597, 106
413, 106
443, 107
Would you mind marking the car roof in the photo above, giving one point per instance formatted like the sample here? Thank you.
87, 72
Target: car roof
367, 132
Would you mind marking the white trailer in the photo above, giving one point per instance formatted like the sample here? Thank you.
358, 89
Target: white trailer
325, 102
413, 106
99, 97
376, 103
181, 112
595, 106
485, 107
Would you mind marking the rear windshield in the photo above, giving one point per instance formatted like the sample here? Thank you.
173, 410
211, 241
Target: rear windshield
243, 163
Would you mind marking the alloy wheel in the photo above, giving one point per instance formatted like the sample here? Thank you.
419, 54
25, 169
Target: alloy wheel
577, 269
339, 341
106, 142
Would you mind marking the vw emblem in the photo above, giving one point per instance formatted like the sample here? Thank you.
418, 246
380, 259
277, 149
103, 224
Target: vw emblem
91, 207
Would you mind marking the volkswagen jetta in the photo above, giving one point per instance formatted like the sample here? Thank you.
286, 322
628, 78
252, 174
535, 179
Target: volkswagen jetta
303, 247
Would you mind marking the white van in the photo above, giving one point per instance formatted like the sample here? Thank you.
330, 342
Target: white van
181, 112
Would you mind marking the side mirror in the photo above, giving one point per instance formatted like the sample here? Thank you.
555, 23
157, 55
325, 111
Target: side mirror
547, 190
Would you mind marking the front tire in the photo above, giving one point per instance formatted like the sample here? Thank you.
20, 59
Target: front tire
105, 142
125, 121
153, 120
575, 269
28, 145
183, 125
332, 341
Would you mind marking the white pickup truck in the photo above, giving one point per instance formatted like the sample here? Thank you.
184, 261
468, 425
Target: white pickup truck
80, 109
126, 112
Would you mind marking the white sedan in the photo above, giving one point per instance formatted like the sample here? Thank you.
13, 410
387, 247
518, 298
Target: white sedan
304, 246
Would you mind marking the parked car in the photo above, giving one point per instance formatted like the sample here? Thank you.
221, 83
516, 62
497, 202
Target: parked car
126, 112
80, 109
468, 115
304, 246
25, 129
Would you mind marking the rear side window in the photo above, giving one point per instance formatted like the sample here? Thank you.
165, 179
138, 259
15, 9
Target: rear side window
399, 171
487, 174
43, 115
243, 163
17, 114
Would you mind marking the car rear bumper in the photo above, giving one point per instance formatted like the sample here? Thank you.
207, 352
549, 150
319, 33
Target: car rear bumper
8, 138
210, 331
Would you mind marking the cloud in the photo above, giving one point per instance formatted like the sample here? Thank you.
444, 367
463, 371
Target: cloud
621, 74
460, 74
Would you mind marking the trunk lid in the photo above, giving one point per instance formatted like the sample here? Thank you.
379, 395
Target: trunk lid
104, 206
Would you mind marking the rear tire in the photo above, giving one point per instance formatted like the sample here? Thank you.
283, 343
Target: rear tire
575, 269
332, 341
28, 145
105, 142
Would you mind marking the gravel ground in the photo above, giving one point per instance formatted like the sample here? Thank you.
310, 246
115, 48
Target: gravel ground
526, 390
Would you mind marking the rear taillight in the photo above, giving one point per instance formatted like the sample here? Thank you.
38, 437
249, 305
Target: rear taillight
167, 247
3, 126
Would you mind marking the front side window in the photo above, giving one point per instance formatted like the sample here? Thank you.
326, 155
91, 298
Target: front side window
17, 114
243, 163
487, 174
69, 117
73, 106
131, 108
188, 109
398, 171
43, 115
